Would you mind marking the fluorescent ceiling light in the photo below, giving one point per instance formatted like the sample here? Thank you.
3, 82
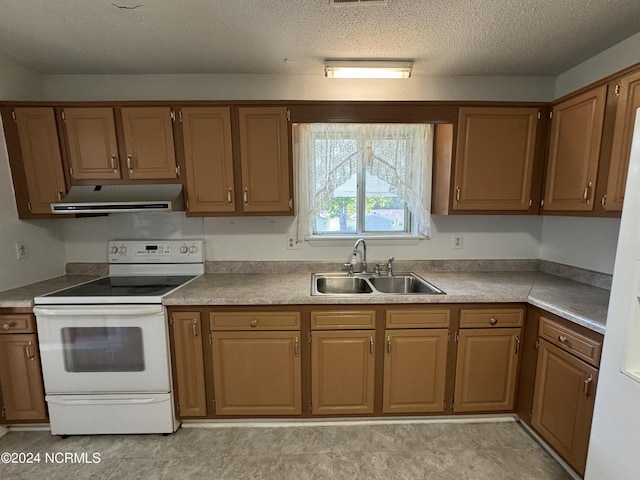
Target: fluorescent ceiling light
367, 69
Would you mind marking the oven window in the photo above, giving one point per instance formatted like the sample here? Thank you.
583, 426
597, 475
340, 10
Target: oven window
103, 349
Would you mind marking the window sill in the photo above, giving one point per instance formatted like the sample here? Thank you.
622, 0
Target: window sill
322, 240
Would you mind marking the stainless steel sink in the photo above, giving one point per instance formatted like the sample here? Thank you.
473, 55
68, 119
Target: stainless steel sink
369, 284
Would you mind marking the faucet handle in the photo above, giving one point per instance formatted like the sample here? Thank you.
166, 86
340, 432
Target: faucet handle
350, 267
390, 266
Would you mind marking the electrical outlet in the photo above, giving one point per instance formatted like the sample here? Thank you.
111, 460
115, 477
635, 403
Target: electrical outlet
292, 245
456, 240
22, 250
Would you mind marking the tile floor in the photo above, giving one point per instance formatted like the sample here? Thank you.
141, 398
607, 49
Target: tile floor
455, 451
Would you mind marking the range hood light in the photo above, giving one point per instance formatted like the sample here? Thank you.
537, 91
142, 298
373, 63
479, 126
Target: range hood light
367, 68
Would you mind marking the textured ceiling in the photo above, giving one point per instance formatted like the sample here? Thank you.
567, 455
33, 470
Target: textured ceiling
445, 37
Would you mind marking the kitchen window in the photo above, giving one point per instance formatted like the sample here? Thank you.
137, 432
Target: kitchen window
358, 179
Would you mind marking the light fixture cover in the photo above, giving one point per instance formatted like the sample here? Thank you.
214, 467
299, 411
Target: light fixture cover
368, 68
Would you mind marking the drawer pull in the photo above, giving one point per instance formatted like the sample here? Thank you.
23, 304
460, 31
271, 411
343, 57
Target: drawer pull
371, 349
562, 339
587, 382
8, 325
254, 323
493, 321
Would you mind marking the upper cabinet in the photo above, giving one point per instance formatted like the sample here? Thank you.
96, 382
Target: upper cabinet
574, 152
495, 167
265, 159
628, 103
237, 161
91, 143
34, 155
147, 143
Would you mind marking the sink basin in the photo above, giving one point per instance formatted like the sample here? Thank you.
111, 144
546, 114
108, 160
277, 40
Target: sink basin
342, 285
368, 284
402, 284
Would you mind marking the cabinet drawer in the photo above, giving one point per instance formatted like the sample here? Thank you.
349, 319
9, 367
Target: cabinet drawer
419, 318
499, 317
254, 321
17, 323
582, 347
344, 319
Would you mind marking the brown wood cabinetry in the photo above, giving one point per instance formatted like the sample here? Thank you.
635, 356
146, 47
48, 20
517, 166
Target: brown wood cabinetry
92, 144
628, 103
36, 163
265, 160
20, 373
148, 140
256, 363
342, 371
487, 359
574, 151
188, 365
208, 159
496, 166
563, 403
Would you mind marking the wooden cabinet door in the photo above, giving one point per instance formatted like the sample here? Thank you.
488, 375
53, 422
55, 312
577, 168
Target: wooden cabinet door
494, 158
342, 372
41, 157
486, 369
257, 373
265, 159
21, 378
628, 103
563, 403
186, 329
415, 371
574, 151
92, 144
148, 139
208, 159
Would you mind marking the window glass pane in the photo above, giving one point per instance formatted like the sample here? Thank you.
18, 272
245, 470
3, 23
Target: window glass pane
103, 349
338, 214
384, 211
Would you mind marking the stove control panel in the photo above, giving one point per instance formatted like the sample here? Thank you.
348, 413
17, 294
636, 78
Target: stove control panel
156, 251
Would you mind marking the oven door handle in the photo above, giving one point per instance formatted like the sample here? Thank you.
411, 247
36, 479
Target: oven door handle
102, 401
100, 310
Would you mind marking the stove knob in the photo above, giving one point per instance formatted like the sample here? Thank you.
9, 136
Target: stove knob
113, 249
184, 249
193, 249
123, 250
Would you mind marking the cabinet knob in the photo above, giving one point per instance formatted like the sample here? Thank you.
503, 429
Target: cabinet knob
254, 323
493, 321
562, 339
8, 325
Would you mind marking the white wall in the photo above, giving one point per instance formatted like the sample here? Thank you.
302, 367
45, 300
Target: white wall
43, 237
614, 59
582, 242
292, 87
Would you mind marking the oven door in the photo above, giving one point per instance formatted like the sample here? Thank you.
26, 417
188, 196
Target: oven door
105, 348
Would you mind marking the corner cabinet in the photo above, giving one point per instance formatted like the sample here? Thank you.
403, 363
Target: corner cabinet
188, 364
492, 162
256, 362
36, 163
487, 360
20, 374
265, 159
574, 152
628, 104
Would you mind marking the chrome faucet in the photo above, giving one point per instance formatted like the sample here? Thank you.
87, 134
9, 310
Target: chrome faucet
364, 253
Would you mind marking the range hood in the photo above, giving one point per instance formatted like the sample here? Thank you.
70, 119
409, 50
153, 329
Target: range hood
121, 198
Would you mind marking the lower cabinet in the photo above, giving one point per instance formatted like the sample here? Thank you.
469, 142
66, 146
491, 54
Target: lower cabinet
20, 373
487, 360
256, 363
186, 332
565, 389
342, 362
